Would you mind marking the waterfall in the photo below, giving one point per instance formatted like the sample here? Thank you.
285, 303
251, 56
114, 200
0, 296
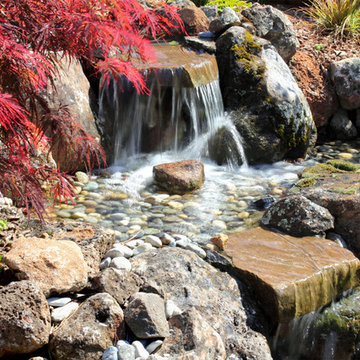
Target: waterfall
183, 113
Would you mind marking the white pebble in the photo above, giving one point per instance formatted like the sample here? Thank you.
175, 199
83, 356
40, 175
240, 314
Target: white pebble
58, 301
63, 312
128, 253
140, 351
126, 350
197, 250
153, 240
153, 346
171, 309
105, 263
121, 263
113, 253
134, 243
142, 248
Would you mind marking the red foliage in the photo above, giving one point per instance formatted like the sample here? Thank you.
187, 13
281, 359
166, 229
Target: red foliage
34, 34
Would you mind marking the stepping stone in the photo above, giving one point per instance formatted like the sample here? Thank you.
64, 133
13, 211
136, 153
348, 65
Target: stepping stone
291, 276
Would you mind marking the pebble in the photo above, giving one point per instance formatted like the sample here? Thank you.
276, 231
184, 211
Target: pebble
171, 309
197, 250
243, 215
61, 313
125, 350
153, 346
127, 252
220, 240
82, 177
121, 263
64, 214
176, 205
166, 239
111, 353
153, 240
58, 301
105, 263
142, 248
219, 224
345, 156
132, 244
140, 351
114, 252
91, 186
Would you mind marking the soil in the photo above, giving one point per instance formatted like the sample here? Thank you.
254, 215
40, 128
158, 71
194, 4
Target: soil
311, 64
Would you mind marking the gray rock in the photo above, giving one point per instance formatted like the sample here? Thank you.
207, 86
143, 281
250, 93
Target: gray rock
121, 263
298, 216
142, 248
346, 77
153, 346
105, 263
198, 286
113, 253
91, 186
197, 250
111, 353
128, 253
89, 331
125, 350
342, 126
24, 318
271, 24
58, 301
118, 284
210, 11
153, 240
145, 316
226, 19
140, 351
61, 313
269, 109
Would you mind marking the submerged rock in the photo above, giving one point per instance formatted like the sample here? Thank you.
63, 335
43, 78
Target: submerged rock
268, 108
292, 276
179, 177
24, 318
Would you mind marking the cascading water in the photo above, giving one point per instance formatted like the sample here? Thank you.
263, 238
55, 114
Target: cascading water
174, 117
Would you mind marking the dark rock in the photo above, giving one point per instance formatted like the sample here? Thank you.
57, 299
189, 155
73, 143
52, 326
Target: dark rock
264, 203
24, 318
342, 126
87, 333
346, 76
207, 45
179, 177
145, 316
120, 285
217, 260
210, 11
195, 285
271, 24
298, 216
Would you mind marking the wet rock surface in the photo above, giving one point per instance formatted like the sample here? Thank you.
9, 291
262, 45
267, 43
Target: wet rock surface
179, 177
292, 276
24, 318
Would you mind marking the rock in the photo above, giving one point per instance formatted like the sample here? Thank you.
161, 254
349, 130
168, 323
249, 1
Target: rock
94, 242
198, 286
113, 253
226, 19
140, 351
24, 318
268, 108
197, 250
291, 276
143, 248
194, 20
127, 252
105, 263
118, 284
179, 177
217, 260
171, 309
342, 126
72, 89
89, 331
210, 11
346, 77
111, 353
153, 240
145, 316
54, 266
152, 347
121, 263
125, 350
61, 313
273, 25
298, 216
197, 44
57, 301
220, 240
82, 177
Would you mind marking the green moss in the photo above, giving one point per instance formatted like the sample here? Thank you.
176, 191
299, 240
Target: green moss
236, 5
350, 190
344, 165
306, 182
320, 171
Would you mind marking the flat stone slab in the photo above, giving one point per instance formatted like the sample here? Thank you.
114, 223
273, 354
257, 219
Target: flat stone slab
292, 276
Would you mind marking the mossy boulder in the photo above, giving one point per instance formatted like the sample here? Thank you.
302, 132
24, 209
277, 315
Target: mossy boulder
263, 99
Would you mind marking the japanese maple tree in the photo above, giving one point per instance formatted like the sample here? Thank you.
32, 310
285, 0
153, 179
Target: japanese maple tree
111, 36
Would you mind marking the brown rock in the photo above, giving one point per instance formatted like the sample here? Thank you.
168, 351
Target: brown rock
194, 20
145, 316
24, 318
89, 331
292, 276
118, 284
220, 240
179, 177
54, 266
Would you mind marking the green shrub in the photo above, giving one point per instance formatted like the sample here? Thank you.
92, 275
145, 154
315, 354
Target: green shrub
342, 17
200, 2
234, 4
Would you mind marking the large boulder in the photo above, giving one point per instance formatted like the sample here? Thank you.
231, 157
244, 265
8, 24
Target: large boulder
197, 289
346, 77
292, 276
194, 18
298, 216
268, 108
24, 318
89, 331
179, 177
273, 25
54, 266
